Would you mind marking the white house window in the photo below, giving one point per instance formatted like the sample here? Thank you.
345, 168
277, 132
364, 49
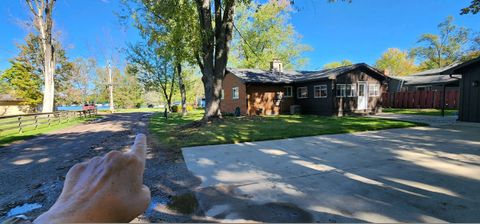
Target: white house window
320, 91
374, 90
341, 90
302, 92
288, 91
222, 94
235, 94
351, 90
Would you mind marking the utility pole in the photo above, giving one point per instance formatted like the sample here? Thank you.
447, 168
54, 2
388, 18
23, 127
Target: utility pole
110, 87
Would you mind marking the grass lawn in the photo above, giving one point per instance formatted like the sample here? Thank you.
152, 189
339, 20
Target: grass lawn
233, 130
431, 112
6, 138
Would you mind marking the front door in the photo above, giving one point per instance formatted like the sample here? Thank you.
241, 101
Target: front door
362, 103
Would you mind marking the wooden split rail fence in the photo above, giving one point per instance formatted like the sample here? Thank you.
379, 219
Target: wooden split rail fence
27, 122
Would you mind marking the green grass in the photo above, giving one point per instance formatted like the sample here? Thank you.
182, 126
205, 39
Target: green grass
431, 112
6, 138
170, 132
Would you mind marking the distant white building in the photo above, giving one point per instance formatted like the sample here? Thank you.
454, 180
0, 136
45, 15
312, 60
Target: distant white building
12, 106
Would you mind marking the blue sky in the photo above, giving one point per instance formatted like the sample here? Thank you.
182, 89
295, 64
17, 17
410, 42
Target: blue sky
359, 31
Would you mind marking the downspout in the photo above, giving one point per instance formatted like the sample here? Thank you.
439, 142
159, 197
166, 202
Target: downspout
334, 97
460, 100
443, 100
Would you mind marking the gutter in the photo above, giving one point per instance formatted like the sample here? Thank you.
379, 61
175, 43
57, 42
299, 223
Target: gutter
452, 77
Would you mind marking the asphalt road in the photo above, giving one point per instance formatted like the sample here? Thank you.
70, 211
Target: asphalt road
33, 171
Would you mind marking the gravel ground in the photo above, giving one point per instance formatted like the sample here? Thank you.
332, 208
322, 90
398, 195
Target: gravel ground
33, 171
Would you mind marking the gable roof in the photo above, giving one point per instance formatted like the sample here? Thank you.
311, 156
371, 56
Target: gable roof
428, 77
458, 67
9, 98
287, 77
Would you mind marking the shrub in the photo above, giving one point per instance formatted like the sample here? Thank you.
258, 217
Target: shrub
176, 108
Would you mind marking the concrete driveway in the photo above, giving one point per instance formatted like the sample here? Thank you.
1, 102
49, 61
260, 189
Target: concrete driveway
423, 174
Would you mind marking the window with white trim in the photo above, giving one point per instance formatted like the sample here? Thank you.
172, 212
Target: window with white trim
351, 90
320, 91
373, 89
222, 94
288, 91
302, 92
235, 93
341, 90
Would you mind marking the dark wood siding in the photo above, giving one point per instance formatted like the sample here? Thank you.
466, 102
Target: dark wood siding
333, 105
312, 105
470, 95
348, 105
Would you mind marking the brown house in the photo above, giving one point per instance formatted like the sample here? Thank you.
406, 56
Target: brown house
339, 91
469, 109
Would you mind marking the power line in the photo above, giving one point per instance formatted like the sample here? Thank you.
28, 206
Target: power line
241, 36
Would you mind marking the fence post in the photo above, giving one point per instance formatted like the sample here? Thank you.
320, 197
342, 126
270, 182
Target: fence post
48, 116
36, 122
20, 124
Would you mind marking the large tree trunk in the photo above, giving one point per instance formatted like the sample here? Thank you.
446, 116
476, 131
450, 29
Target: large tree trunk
49, 86
213, 56
181, 86
43, 22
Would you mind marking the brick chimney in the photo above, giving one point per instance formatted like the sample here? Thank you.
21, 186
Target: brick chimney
276, 66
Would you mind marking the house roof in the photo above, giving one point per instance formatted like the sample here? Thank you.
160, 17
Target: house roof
286, 77
428, 77
9, 98
458, 67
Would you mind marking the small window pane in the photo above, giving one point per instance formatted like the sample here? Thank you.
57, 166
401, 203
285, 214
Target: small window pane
323, 91
302, 92
288, 91
361, 90
235, 94
353, 90
374, 90
341, 90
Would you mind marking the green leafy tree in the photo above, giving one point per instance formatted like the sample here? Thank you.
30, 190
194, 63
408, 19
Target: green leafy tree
22, 83
154, 72
42, 11
171, 24
264, 34
31, 56
397, 62
440, 50
473, 8
127, 91
337, 64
